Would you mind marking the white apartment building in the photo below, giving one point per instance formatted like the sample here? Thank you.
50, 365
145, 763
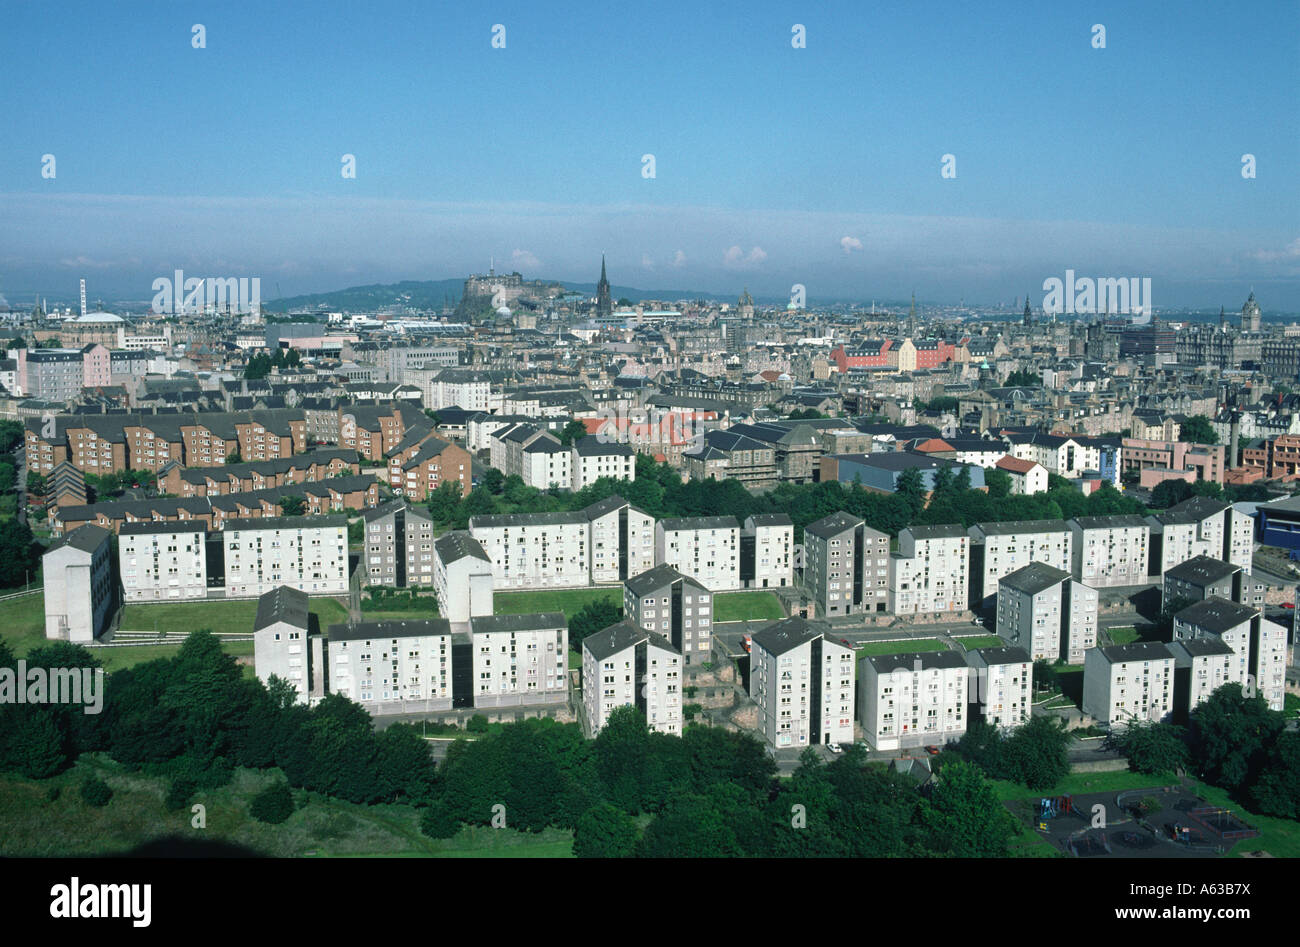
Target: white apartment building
451, 387
1175, 538
1001, 685
308, 553
392, 667
163, 562
767, 551
520, 659
1228, 533
462, 577
622, 540
535, 550
80, 596
1129, 682
1201, 666
1027, 477
998, 549
675, 606
1259, 646
398, 550
595, 457
1111, 550
930, 570
626, 665
1046, 612
910, 700
706, 548
846, 566
281, 646
802, 682
534, 455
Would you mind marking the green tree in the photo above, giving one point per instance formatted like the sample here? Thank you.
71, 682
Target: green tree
1232, 735
1036, 753
591, 618
1168, 492
293, 506
33, 744
1277, 791
1198, 430
997, 481
1024, 379
35, 484
965, 817
1152, 748
572, 432
910, 485
179, 794
438, 820
19, 553
493, 480
12, 435
273, 804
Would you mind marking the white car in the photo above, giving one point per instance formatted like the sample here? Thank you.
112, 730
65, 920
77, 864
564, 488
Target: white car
834, 747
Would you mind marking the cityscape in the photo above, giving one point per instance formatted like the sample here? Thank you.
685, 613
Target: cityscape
655, 494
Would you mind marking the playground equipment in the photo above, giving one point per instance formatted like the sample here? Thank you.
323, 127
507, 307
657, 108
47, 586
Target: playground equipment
1049, 807
1223, 823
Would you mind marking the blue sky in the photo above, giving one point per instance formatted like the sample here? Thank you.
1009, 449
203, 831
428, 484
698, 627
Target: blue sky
774, 165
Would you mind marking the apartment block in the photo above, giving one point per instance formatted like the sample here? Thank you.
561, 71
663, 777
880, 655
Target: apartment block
536, 550
930, 570
1201, 666
847, 566
398, 550
306, 553
628, 666
282, 645
1129, 682
1001, 686
595, 457
462, 577
80, 587
621, 541
392, 667
1204, 577
160, 562
1048, 613
802, 682
1259, 645
911, 700
520, 659
534, 455
767, 551
1228, 532
675, 606
1111, 550
706, 548
998, 549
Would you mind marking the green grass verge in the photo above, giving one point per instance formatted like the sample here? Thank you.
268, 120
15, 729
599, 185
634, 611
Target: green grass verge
238, 616
747, 606
1126, 635
981, 641
901, 647
22, 623
568, 601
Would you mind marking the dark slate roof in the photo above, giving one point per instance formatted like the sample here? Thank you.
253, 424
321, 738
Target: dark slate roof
770, 519
490, 624
286, 522
1033, 578
1201, 647
1022, 526
832, 525
930, 661
487, 520
387, 630
788, 634
941, 531
656, 578
1010, 655
1200, 507
162, 526
619, 637
1202, 570
1138, 651
281, 604
1216, 614
700, 522
454, 546
86, 538
594, 446
1122, 521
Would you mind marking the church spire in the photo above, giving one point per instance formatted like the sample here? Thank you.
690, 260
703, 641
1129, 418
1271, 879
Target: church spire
604, 304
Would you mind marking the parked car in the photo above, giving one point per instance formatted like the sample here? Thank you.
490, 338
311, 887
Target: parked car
834, 747
977, 621
932, 750
846, 642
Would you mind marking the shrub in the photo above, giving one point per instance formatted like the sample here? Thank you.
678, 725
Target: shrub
437, 821
95, 792
182, 788
273, 804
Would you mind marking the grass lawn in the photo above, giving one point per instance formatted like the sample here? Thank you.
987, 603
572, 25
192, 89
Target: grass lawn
901, 647
1078, 783
115, 659
31, 824
747, 606
981, 641
1123, 635
1291, 705
575, 660
568, 601
238, 616
22, 622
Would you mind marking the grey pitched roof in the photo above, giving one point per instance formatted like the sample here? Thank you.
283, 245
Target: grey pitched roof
1202, 570
1122, 521
1138, 651
832, 525
85, 538
621, 636
700, 522
1022, 526
929, 661
490, 624
1034, 578
1216, 614
382, 630
1007, 655
287, 522
594, 446
1201, 647
456, 545
656, 578
788, 634
281, 604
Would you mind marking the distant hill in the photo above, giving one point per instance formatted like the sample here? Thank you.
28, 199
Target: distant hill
433, 294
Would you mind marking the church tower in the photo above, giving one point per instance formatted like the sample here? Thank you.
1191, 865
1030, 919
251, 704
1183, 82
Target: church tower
911, 319
1250, 314
1029, 314
604, 305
